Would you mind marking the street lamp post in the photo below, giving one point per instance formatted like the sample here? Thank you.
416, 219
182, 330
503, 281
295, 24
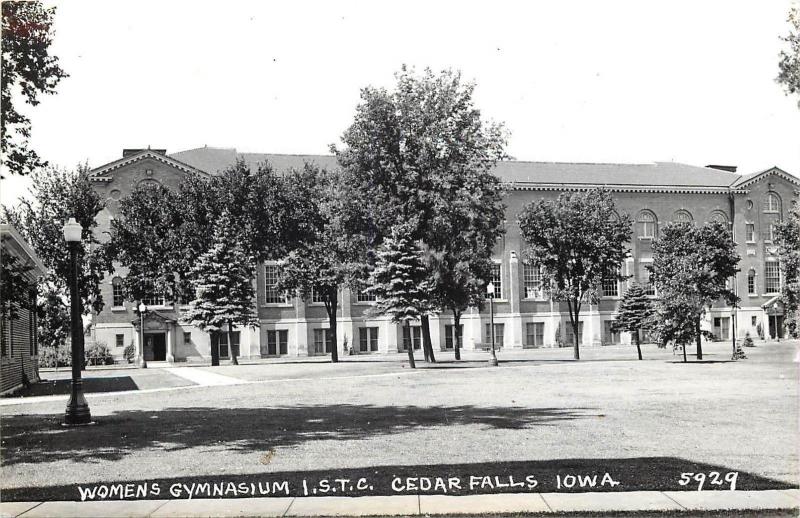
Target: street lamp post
77, 412
490, 293
140, 359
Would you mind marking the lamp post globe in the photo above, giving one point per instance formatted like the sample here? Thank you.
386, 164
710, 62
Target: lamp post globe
140, 359
77, 412
490, 294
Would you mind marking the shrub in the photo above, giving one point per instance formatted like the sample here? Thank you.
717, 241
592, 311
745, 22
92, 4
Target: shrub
748, 342
760, 331
738, 354
97, 353
60, 356
128, 353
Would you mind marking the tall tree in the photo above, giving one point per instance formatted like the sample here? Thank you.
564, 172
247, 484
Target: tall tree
635, 313
327, 256
223, 284
789, 64
691, 268
399, 280
419, 148
55, 196
28, 70
577, 240
787, 237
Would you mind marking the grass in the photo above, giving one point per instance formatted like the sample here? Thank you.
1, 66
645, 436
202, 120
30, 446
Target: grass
735, 415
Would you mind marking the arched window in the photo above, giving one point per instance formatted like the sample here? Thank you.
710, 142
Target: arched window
772, 202
751, 282
647, 224
117, 294
682, 216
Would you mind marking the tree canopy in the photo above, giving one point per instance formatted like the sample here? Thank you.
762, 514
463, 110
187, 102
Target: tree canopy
691, 269
634, 314
577, 240
28, 70
789, 64
787, 237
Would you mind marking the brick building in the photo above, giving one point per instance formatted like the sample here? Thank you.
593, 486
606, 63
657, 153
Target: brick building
653, 194
19, 348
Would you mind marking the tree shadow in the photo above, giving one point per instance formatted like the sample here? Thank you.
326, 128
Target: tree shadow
41, 438
62, 386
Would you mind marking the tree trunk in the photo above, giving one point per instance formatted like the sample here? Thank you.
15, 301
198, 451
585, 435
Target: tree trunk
699, 340
574, 322
231, 350
638, 345
457, 331
214, 350
684, 352
410, 347
426, 339
332, 324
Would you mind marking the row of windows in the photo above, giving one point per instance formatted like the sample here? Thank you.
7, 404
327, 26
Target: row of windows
648, 223
772, 279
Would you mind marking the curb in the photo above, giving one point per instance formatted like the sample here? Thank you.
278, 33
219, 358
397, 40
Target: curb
415, 505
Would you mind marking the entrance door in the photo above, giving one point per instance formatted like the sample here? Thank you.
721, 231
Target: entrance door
722, 328
776, 326
155, 347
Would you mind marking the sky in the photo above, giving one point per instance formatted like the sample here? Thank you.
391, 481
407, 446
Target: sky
573, 81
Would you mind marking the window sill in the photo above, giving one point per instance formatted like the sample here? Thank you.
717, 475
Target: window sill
118, 309
646, 238
277, 305
363, 303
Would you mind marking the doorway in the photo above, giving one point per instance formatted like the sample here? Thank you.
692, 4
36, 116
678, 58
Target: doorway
155, 347
776, 326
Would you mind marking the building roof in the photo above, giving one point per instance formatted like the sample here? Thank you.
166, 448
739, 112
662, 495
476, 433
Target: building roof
15, 244
214, 159
749, 179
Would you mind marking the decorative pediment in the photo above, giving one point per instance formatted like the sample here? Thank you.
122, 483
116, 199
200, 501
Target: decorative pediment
153, 320
103, 173
749, 180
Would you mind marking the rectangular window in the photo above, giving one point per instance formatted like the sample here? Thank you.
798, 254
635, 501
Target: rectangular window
754, 321
367, 339
187, 338
316, 296
412, 335
271, 279
277, 343
498, 334
772, 232
611, 286
750, 232
571, 333
117, 295
497, 280
223, 343
534, 334
119, 341
772, 277
610, 336
450, 335
323, 341
364, 296
751, 283
532, 281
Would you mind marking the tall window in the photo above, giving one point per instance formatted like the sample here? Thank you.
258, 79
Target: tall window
412, 335
497, 281
772, 277
498, 334
772, 232
367, 339
751, 282
153, 298
450, 335
682, 216
222, 341
323, 341
610, 335
647, 224
750, 232
119, 341
611, 285
532, 280
534, 334
316, 296
571, 333
117, 295
772, 203
277, 343
271, 279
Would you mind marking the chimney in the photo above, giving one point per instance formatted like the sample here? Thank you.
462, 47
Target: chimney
728, 168
133, 151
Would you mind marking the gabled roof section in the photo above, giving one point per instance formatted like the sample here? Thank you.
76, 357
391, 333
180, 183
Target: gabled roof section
750, 179
214, 160
101, 173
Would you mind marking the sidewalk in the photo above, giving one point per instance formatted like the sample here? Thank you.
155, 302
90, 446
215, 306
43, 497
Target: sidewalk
412, 505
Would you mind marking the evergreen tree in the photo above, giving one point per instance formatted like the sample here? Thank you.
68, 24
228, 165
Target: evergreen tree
223, 287
399, 281
634, 314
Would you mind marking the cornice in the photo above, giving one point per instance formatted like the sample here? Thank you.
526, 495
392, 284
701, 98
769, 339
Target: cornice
675, 189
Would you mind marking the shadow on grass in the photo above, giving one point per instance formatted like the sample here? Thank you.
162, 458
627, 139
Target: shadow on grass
62, 386
41, 438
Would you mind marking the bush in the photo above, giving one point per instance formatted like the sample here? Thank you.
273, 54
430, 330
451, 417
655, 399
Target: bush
128, 353
748, 342
760, 331
60, 356
97, 353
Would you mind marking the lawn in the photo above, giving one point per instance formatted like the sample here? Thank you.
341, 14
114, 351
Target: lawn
537, 407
